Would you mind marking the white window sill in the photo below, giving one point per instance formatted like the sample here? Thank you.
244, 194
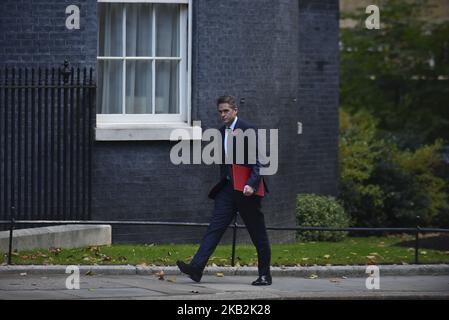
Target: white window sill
144, 132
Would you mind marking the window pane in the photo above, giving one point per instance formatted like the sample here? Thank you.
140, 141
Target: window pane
138, 86
139, 29
110, 86
167, 30
110, 25
167, 87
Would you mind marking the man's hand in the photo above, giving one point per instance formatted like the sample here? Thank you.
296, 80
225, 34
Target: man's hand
248, 190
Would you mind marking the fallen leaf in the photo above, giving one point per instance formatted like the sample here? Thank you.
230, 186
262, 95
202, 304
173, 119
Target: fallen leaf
142, 265
160, 275
55, 250
327, 256
313, 276
173, 279
371, 260
219, 274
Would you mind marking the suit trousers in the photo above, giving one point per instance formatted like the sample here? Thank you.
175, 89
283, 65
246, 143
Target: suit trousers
227, 203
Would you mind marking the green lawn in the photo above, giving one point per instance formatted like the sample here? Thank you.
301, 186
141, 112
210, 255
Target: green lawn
352, 251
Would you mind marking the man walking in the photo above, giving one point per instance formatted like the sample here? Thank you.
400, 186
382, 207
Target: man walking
228, 201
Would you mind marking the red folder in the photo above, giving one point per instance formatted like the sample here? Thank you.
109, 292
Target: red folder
240, 175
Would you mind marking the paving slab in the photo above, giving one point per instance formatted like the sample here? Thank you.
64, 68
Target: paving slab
52, 286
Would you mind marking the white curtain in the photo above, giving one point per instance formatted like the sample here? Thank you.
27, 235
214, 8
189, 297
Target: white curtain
139, 32
110, 71
167, 45
139, 23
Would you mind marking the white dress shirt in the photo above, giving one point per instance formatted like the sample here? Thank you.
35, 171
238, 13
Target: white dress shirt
227, 131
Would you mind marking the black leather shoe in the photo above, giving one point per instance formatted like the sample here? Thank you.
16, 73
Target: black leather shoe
262, 281
194, 273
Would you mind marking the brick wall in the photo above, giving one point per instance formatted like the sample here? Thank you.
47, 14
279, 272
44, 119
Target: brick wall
33, 33
281, 56
318, 97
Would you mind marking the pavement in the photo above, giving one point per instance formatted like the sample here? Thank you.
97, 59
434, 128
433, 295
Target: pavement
219, 283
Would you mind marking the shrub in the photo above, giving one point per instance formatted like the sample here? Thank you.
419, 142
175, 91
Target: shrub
320, 211
384, 186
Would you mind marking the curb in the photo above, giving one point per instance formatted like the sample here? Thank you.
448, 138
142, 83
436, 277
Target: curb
320, 271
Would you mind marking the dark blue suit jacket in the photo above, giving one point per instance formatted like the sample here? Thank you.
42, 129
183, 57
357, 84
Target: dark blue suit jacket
255, 177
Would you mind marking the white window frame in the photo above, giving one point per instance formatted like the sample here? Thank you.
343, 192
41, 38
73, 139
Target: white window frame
153, 126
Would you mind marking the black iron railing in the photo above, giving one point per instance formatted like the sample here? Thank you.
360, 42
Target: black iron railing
415, 230
46, 120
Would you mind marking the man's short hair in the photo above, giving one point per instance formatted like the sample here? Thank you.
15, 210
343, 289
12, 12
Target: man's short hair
227, 99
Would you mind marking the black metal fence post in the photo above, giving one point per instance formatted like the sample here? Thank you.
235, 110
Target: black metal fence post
417, 241
234, 240
11, 231
65, 136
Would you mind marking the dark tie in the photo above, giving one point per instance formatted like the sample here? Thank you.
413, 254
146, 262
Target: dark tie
229, 167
